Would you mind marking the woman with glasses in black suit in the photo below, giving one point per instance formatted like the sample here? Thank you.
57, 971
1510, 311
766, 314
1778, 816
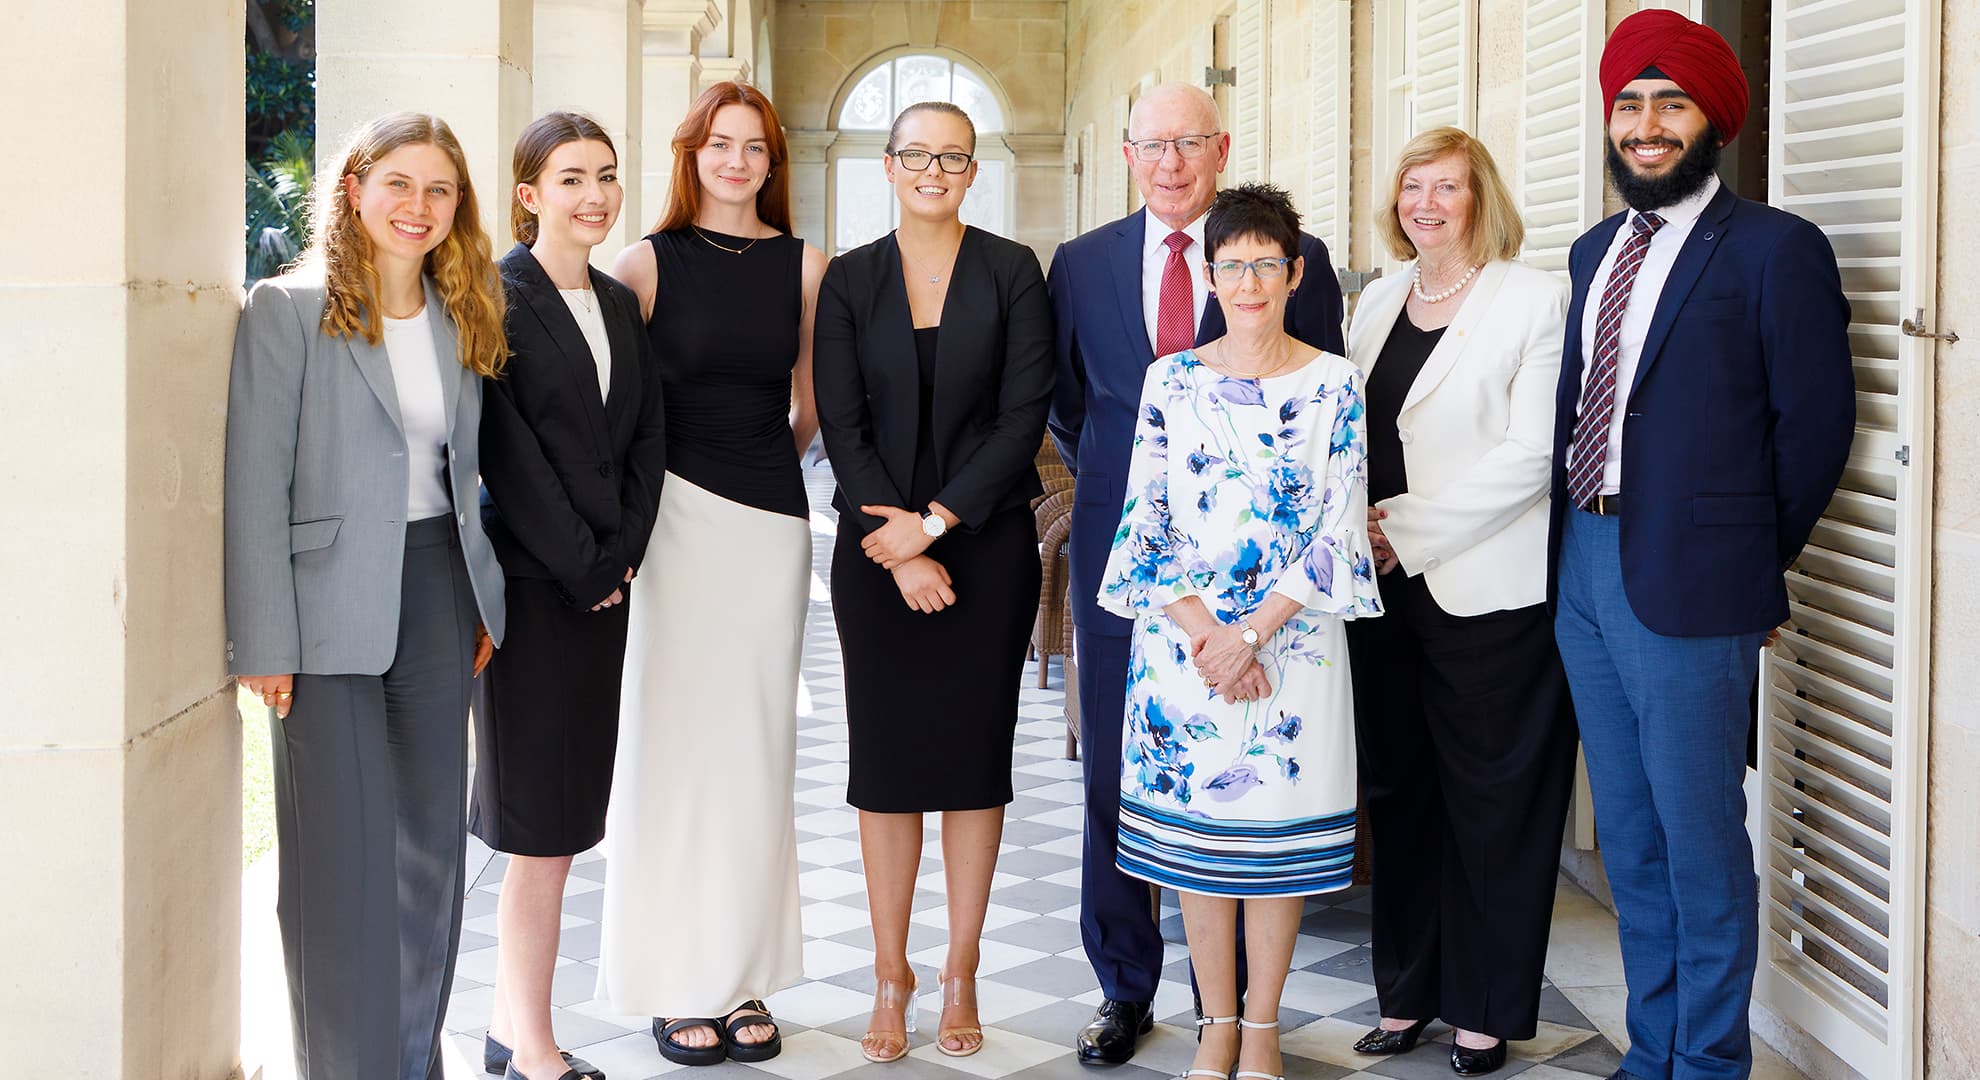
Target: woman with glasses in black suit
934, 369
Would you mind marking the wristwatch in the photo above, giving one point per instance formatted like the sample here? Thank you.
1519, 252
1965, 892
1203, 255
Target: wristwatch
1249, 635
932, 525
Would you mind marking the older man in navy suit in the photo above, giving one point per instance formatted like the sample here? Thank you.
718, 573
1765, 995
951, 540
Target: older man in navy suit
1705, 411
1125, 293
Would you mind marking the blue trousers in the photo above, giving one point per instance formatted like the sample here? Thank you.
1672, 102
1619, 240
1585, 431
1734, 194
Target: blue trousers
1663, 725
1122, 941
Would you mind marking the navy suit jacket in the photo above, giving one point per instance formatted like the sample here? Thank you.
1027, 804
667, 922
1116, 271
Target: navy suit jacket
1738, 422
1103, 354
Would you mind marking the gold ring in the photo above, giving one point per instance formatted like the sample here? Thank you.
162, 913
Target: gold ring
285, 693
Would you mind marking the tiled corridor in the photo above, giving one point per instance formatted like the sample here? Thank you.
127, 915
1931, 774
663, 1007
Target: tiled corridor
1034, 983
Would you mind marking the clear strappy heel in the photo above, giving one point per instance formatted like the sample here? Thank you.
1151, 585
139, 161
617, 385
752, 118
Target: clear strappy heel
958, 991
881, 1047
1201, 1023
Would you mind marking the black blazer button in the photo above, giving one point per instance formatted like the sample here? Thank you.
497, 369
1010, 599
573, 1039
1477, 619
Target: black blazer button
605, 469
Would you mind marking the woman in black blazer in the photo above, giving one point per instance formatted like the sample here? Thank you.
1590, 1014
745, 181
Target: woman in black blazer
572, 454
933, 368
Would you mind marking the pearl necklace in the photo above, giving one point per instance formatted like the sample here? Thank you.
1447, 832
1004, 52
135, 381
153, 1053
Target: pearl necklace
1416, 283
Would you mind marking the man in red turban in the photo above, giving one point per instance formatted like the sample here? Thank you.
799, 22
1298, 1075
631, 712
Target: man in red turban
1704, 415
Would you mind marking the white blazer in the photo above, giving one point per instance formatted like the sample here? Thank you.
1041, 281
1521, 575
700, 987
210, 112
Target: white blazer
1477, 430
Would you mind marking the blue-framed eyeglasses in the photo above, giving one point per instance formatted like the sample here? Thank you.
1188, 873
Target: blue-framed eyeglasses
1228, 271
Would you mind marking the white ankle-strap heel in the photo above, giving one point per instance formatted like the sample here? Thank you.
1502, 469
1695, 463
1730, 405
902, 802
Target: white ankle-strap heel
1203, 1022
1249, 1074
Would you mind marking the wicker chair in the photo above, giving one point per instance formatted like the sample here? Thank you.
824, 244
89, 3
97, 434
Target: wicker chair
1051, 471
1051, 632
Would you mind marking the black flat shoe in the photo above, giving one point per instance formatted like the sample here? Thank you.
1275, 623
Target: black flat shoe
753, 1013
1117, 1026
1380, 1041
1468, 1062
511, 1073
679, 1054
495, 1061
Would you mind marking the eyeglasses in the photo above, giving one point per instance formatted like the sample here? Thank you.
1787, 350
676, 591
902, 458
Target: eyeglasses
917, 160
1232, 270
1188, 146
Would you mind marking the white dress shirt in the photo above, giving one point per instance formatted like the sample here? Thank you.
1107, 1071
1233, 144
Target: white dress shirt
422, 414
591, 321
1650, 277
1155, 260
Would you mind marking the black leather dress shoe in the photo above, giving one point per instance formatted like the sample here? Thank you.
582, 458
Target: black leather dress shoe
495, 1061
1110, 1037
1382, 1041
1468, 1062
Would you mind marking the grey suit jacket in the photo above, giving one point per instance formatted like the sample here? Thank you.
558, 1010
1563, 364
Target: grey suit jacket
316, 488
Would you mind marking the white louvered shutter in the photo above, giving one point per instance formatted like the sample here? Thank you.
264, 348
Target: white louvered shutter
1114, 193
1075, 165
1442, 65
1560, 157
1250, 56
1327, 145
1839, 825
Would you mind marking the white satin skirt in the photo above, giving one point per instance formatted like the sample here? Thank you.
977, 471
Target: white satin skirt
701, 891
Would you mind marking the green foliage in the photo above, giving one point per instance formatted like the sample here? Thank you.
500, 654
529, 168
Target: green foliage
281, 96
278, 203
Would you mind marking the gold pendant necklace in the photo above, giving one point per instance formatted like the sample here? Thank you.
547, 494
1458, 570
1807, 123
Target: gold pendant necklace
730, 250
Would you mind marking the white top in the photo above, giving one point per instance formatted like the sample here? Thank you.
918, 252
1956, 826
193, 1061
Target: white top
1650, 277
584, 308
422, 414
1155, 259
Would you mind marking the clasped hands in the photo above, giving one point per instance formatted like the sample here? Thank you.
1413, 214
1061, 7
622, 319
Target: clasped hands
618, 597
898, 546
1384, 552
1229, 667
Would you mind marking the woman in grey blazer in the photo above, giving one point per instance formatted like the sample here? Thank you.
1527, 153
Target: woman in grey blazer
362, 595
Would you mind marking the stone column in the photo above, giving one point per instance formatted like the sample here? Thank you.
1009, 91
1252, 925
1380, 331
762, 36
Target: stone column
716, 69
120, 768
671, 46
1039, 188
466, 61
810, 158
588, 59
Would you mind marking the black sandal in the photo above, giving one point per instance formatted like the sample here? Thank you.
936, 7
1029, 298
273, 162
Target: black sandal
663, 1032
758, 1014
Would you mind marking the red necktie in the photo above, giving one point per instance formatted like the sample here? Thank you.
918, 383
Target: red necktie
1175, 315
1598, 397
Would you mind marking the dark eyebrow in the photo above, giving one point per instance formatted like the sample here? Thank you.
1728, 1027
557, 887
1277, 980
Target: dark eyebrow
1675, 93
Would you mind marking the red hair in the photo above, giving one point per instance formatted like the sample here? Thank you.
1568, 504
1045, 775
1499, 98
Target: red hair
773, 199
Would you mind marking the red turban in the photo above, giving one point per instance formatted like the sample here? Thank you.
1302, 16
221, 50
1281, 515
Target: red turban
1689, 54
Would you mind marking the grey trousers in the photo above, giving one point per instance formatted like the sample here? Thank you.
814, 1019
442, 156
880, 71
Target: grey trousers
370, 795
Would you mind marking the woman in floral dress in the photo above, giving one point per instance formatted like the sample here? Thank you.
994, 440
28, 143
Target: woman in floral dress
1242, 548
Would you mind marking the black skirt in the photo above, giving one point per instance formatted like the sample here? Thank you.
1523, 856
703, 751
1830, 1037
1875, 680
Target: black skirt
546, 725
931, 700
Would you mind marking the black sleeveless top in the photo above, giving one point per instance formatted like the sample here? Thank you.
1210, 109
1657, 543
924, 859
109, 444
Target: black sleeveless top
725, 326
1395, 372
927, 482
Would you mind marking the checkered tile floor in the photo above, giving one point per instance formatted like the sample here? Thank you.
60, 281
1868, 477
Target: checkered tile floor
1034, 983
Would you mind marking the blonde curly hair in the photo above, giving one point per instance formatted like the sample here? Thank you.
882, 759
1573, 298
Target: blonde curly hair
462, 267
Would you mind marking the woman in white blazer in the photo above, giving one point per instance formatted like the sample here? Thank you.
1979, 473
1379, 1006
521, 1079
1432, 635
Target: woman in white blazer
362, 594
1465, 734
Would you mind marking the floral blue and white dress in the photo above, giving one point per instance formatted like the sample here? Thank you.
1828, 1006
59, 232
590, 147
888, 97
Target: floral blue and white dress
1238, 488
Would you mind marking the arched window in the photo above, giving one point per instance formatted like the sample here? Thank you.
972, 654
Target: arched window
863, 206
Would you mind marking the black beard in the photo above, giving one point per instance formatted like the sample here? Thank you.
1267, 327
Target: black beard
1695, 165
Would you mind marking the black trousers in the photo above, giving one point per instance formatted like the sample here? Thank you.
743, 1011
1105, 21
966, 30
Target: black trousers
370, 793
1465, 737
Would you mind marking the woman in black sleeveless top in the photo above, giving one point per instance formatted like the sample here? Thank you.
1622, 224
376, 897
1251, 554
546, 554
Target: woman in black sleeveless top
701, 904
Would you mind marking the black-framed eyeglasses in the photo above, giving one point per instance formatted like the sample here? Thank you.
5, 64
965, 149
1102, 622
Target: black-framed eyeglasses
1228, 271
1188, 146
917, 160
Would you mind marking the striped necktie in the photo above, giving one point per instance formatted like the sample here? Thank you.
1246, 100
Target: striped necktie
1598, 396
